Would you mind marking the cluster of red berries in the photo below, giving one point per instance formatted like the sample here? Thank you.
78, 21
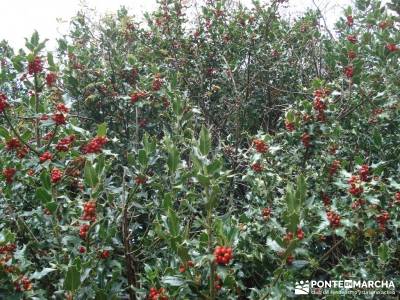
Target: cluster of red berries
325, 198
349, 71
355, 188
95, 145
9, 173
289, 125
352, 39
135, 97
319, 104
257, 167
157, 294
141, 179
350, 21
306, 139
61, 107
358, 203
300, 233
334, 167
22, 152
12, 144
83, 231
48, 136
45, 157
89, 211
51, 78
364, 173
266, 213
105, 254
217, 282
59, 118
391, 47
64, 144
382, 218
351, 54
182, 267
321, 93
157, 82
82, 249
223, 255
3, 102
333, 218
55, 175
288, 237
23, 284
290, 259
261, 146
8, 249
384, 24
35, 66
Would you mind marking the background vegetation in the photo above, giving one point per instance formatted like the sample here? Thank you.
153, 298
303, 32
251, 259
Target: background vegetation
218, 155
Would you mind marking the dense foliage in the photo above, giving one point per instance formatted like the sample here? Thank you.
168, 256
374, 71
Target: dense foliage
217, 153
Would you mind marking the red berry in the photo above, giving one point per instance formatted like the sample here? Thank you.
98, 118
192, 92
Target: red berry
64, 144
351, 54
289, 125
157, 82
3, 102
105, 254
355, 188
141, 179
45, 157
95, 145
300, 233
257, 167
326, 199
391, 47
289, 259
261, 146
364, 173
51, 78
83, 230
306, 139
89, 211
13, 144
9, 173
352, 39
349, 71
266, 213
350, 21
288, 237
56, 175
334, 219
62, 108
35, 66
222, 255
59, 118
334, 167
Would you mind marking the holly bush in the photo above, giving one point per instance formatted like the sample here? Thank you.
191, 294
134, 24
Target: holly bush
206, 151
